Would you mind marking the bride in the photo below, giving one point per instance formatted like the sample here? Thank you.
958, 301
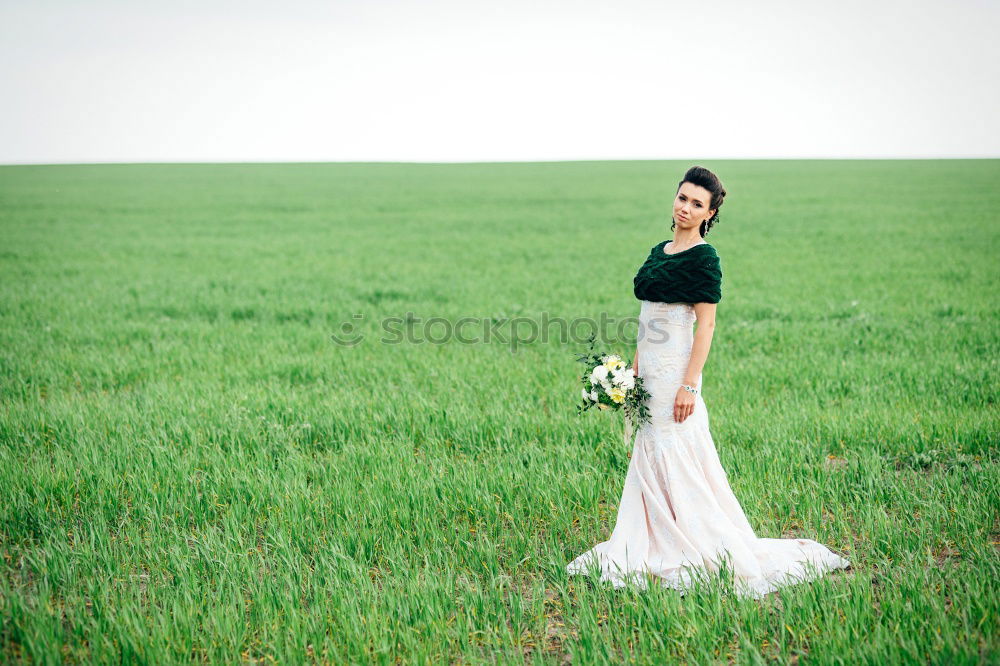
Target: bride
678, 520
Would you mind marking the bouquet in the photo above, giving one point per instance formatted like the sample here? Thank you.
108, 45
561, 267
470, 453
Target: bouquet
609, 383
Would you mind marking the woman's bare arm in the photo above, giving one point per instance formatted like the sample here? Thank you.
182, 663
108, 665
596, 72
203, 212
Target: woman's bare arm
705, 314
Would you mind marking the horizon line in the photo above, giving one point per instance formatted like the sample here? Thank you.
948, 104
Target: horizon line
527, 161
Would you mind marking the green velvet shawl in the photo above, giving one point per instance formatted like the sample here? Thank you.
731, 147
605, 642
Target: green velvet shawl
693, 275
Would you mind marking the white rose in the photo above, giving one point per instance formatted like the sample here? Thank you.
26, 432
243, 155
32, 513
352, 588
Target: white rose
628, 383
598, 374
594, 396
620, 375
586, 395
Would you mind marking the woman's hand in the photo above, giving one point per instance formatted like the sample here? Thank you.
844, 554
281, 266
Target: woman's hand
683, 404
635, 363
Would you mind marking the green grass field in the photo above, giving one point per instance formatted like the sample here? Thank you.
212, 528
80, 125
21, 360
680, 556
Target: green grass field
192, 469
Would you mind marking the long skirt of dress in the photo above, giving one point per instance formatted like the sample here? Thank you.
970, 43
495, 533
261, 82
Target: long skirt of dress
678, 520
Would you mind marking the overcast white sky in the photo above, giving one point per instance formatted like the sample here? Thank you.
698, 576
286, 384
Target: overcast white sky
497, 80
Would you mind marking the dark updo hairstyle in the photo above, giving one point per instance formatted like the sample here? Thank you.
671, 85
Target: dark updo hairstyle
701, 176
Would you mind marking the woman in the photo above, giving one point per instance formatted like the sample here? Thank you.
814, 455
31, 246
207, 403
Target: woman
678, 519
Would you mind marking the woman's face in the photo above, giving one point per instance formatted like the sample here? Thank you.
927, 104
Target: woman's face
691, 206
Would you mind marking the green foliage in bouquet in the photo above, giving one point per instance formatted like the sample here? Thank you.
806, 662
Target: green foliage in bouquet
614, 387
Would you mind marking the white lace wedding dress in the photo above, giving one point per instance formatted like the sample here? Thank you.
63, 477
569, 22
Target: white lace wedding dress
678, 519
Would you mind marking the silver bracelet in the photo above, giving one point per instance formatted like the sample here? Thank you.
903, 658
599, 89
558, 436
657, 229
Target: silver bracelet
689, 389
